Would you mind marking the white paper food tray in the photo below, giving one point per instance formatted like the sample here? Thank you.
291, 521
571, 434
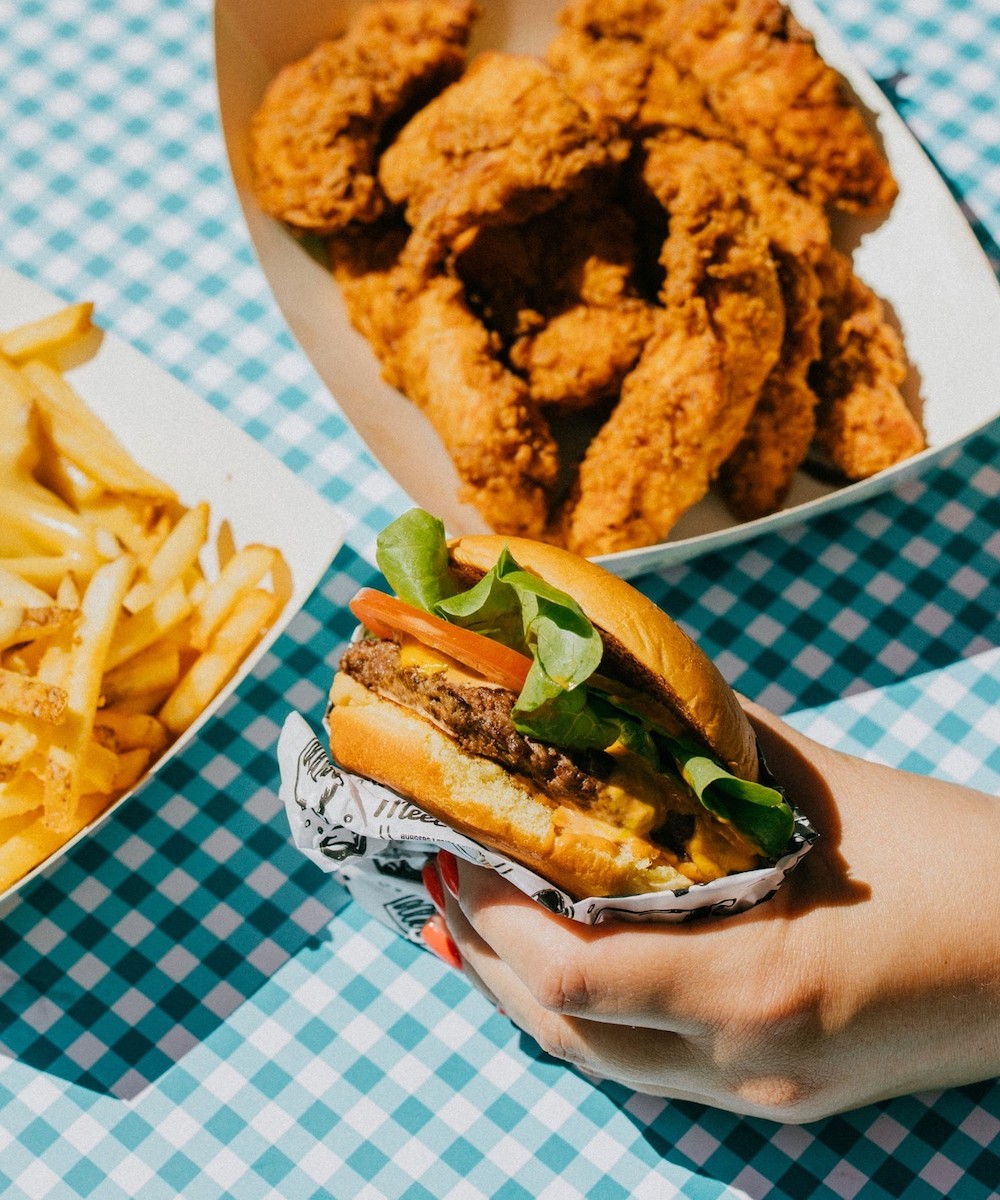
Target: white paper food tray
923, 259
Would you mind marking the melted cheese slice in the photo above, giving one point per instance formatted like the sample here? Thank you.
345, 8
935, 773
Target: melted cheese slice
413, 653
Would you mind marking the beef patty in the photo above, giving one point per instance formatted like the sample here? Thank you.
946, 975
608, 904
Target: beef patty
479, 719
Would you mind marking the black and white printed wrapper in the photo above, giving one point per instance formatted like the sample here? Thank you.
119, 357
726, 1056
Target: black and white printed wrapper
377, 842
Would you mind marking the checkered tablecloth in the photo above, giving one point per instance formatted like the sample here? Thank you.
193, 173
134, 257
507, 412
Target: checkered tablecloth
188, 1007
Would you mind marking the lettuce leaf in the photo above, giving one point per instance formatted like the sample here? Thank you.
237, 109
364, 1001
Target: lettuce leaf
755, 809
412, 554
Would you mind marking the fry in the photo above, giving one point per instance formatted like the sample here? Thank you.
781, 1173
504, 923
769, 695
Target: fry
212, 669
21, 795
106, 604
129, 768
32, 845
98, 614
155, 669
130, 731
19, 625
178, 553
84, 439
29, 698
137, 633
46, 570
17, 743
244, 570
16, 590
98, 768
49, 333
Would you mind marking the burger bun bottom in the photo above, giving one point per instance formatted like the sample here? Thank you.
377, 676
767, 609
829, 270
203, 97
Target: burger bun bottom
381, 740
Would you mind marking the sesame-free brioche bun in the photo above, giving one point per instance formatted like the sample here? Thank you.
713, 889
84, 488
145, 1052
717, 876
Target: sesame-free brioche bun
648, 649
381, 738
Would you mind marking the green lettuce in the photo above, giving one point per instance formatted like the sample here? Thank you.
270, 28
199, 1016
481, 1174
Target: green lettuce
513, 606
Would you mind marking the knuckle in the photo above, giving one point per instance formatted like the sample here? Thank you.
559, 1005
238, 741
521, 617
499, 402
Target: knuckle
767, 1052
787, 1097
555, 1038
562, 988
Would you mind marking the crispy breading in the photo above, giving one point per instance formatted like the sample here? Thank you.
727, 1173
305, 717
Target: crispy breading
748, 67
863, 422
627, 86
757, 476
501, 144
437, 352
315, 138
685, 406
560, 290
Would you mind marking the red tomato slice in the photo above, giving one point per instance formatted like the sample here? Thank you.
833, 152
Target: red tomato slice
385, 615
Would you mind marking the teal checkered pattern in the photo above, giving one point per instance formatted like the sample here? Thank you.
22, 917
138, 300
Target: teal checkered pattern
187, 1007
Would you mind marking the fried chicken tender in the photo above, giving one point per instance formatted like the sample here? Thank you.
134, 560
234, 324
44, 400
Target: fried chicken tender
685, 406
315, 139
436, 351
757, 476
755, 479
628, 86
560, 290
863, 422
745, 66
496, 147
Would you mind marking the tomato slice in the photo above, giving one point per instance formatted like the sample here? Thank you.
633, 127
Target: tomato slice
385, 615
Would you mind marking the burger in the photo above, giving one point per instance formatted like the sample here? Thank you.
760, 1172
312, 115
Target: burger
549, 710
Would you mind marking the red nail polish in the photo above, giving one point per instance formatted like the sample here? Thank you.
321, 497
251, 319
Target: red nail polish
432, 882
439, 940
448, 870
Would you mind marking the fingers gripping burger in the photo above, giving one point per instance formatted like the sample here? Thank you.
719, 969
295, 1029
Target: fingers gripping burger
547, 709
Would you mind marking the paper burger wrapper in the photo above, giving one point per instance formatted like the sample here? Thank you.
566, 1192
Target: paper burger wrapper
377, 841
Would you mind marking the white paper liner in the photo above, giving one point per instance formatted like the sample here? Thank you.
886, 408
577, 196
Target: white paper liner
377, 841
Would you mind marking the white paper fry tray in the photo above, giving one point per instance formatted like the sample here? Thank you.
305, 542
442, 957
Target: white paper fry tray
203, 456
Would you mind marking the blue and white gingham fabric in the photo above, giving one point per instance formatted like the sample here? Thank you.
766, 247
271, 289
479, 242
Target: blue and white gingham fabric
188, 1007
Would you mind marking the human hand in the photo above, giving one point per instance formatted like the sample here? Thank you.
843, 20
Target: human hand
874, 971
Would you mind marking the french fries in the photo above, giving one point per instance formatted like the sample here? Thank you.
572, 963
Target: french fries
114, 637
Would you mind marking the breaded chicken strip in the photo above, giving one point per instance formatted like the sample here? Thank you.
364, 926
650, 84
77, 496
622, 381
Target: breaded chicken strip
765, 80
753, 68
628, 86
757, 476
501, 144
863, 422
435, 350
684, 408
315, 139
560, 290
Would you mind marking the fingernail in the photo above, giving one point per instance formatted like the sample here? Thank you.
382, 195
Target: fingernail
438, 940
448, 870
432, 882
